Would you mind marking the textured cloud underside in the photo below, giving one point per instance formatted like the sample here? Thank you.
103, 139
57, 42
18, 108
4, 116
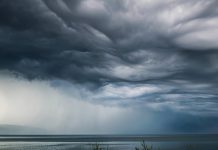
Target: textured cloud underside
162, 55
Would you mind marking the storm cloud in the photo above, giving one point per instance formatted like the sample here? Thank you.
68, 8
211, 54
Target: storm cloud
161, 55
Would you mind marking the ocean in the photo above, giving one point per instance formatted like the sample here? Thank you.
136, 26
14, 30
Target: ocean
109, 142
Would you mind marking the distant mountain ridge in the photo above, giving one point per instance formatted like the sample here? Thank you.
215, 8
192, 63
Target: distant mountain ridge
17, 129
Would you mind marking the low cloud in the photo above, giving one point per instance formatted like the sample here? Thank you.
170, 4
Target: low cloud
39, 104
60, 107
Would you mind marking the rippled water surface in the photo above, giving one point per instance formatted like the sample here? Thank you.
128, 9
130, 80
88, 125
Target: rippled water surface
110, 142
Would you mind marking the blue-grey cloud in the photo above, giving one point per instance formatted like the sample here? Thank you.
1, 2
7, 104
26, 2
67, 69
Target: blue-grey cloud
161, 55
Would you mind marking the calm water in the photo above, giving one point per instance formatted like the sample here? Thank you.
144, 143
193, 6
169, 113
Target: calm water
112, 142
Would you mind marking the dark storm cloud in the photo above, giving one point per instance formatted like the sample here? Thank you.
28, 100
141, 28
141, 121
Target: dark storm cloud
80, 40
157, 57
35, 42
169, 46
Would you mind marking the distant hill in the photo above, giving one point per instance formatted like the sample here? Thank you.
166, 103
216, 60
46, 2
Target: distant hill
16, 129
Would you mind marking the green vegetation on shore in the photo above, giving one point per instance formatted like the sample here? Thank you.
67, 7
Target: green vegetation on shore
143, 146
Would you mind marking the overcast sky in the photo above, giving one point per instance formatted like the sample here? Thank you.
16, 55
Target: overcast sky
110, 66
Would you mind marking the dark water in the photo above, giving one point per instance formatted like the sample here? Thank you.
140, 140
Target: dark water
111, 142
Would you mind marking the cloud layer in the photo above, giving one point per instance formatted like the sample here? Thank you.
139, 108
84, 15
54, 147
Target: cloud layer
100, 41
64, 110
157, 54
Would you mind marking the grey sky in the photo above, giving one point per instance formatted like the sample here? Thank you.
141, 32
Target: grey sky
123, 56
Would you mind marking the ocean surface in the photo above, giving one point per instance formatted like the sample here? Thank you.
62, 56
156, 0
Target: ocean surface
110, 142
